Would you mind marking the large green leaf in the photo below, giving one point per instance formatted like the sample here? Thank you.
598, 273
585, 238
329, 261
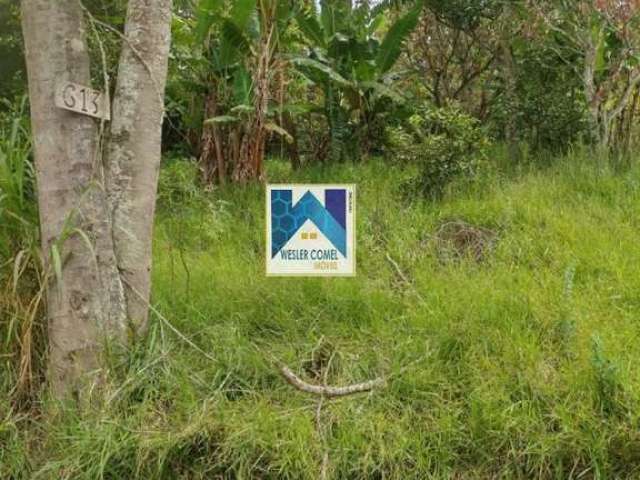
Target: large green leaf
221, 119
327, 16
311, 28
391, 46
234, 42
241, 12
382, 90
272, 127
206, 14
242, 87
242, 108
325, 70
335, 16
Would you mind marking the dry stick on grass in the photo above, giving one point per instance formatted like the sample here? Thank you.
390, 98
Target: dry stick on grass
164, 320
326, 392
329, 391
403, 277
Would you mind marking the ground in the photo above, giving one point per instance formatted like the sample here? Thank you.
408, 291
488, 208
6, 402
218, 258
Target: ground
519, 362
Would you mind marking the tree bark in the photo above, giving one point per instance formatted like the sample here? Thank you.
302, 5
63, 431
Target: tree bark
96, 231
510, 129
510, 81
212, 162
85, 299
134, 150
292, 147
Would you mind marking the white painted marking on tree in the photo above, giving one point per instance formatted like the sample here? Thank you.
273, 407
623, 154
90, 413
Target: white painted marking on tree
80, 99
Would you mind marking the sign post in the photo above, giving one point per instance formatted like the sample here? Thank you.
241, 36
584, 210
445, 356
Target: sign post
80, 99
311, 230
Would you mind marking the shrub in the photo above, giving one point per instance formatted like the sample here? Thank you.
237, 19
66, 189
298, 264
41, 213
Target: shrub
445, 143
191, 216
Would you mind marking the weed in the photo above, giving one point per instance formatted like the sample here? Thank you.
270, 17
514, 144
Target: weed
500, 397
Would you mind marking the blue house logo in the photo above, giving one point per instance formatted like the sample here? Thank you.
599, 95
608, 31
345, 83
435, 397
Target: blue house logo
330, 219
310, 230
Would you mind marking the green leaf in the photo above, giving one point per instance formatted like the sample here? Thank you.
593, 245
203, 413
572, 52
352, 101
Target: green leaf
206, 15
334, 15
382, 90
241, 12
327, 16
234, 42
242, 86
242, 108
325, 70
221, 119
272, 127
310, 27
391, 46
57, 263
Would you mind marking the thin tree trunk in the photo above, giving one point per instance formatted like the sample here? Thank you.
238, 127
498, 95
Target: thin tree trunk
133, 157
292, 147
250, 164
85, 301
96, 231
509, 75
211, 160
592, 95
630, 121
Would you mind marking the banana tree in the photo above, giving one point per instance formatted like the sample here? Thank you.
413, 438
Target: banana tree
352, 67
242, 63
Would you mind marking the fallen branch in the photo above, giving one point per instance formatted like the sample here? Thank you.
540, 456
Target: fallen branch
403, 277
164, 320
328, 391
398, 270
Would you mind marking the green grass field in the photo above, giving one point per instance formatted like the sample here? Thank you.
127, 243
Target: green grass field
520, 364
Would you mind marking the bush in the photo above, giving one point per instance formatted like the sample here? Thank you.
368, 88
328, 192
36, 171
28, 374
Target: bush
549, 108
445, 143
191, 216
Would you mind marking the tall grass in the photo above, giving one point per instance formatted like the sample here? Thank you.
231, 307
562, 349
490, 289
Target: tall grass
21, 289
521, 365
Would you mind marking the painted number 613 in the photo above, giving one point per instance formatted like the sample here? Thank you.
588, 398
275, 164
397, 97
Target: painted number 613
80, 99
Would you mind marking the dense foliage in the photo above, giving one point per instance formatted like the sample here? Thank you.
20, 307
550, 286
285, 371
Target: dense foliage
444, 143
321, 81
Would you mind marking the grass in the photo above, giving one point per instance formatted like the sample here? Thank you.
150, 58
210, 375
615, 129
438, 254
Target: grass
21, 288
519, 366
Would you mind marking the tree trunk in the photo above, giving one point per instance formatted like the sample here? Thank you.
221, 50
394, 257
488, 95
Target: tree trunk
598, 117
85, 300
133, 156
211, 161
510, 81
292, 147
249, 165
630, 121
96, 231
